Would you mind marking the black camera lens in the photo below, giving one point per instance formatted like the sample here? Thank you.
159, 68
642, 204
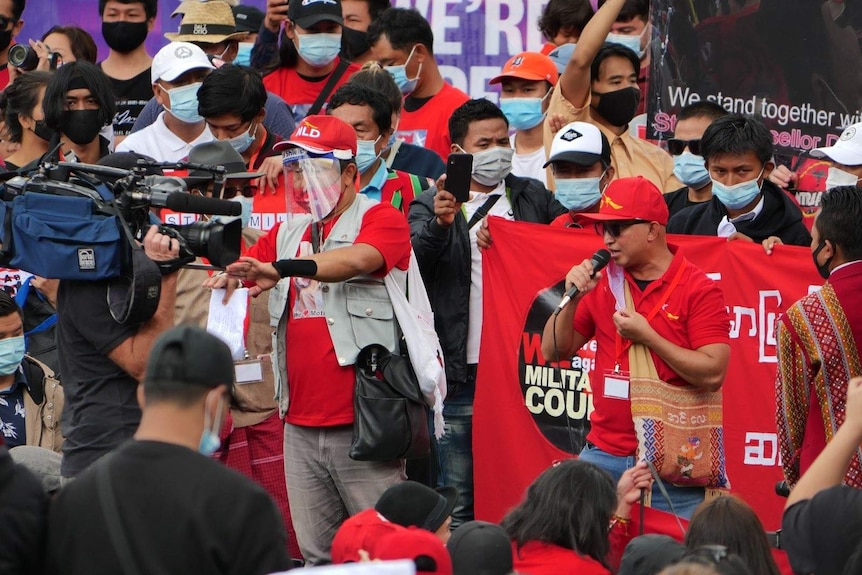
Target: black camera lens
24, 57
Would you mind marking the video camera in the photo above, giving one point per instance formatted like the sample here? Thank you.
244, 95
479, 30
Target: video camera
74, 221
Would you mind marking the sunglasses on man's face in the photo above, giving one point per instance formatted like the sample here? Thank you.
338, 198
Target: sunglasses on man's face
614, 229
676, 147
5, 22
231, 191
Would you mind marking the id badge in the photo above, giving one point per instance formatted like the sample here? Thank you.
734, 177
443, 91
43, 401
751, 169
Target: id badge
248, 371
616, 384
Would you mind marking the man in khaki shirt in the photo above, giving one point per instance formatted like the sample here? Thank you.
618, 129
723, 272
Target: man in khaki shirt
599, 85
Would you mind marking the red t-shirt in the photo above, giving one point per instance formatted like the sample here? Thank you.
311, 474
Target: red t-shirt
429, 125
540, 558
321, 391
694, 315
300, 92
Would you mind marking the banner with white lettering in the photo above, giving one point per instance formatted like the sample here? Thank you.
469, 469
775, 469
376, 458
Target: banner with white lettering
796, 63
531, 410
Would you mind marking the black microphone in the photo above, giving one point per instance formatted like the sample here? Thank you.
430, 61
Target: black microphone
184, 202
599, 260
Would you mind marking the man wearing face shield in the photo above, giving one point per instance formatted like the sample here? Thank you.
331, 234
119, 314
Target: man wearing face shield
177, 73
445, 236
581, 163
326, 263
745, 205
200, 516
600, 85
818, 349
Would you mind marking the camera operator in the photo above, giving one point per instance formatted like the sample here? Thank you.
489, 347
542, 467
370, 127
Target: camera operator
102, 361
10, 27
78, 104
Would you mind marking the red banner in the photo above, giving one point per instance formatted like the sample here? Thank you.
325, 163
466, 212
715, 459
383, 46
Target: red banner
530, 411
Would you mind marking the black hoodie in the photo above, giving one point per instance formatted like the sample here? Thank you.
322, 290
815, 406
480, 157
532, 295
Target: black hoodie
780, 217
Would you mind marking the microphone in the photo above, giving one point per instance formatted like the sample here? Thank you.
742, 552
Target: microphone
184, 202
599, 260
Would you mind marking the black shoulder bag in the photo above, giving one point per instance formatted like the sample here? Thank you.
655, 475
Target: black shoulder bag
390, 415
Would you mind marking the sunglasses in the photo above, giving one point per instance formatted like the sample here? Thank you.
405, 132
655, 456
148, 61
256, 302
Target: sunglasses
5, 22
230, 191
676, 147
614, 229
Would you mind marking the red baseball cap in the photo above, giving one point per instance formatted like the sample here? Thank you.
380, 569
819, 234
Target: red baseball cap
360, 532
322, 135
631, 199
423, 547
531, 66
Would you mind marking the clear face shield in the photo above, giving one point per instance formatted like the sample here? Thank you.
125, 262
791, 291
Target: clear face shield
312, 185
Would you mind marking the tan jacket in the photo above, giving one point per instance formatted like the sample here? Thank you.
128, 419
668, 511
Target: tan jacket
43, 406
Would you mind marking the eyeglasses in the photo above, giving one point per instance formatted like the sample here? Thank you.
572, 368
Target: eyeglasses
4, 22
676, 147
230, 191
614, 229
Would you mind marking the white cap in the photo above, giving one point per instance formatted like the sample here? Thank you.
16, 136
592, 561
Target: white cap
176, 59
847, 150
580, 143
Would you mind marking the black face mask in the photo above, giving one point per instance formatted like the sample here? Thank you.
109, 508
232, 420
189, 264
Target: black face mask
124, 37
81, 126
5, 39
42, 130
618, 107
822, 269
355, 42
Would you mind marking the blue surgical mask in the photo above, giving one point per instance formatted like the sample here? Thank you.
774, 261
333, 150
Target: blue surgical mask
739, 195
523, 113
633, 43
391, 141
691, 170
11, 354
243, 54
184, 103
242, 142
399, 74
578, 194
247, 205
366, 154
210, 441
318, 49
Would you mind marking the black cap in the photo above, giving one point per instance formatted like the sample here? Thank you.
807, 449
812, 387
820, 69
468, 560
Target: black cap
248, 18
190, 355
480, 548
649, 554
307, 13
412, 503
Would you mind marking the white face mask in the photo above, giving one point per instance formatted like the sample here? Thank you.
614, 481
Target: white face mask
838, 177
491, 166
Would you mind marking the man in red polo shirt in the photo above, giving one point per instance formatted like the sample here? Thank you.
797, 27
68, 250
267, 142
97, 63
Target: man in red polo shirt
688, 337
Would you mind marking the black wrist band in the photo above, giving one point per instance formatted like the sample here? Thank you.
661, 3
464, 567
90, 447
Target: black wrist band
288, 268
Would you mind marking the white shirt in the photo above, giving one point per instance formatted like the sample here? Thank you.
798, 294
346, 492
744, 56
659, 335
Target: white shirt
530, 165
726, 227
159, 143
504, 210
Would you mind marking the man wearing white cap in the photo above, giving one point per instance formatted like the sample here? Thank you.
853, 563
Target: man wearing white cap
845, 157
177, 72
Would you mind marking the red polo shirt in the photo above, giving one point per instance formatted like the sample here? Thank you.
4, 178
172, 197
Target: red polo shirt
693, 316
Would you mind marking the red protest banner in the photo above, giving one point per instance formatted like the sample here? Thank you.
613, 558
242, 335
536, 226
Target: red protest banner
531, 410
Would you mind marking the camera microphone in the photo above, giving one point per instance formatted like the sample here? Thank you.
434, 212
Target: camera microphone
184, 202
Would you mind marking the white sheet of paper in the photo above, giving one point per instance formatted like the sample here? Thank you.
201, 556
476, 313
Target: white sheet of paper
227, 321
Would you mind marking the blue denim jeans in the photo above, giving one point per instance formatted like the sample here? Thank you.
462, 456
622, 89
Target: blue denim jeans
685, 499
455, 448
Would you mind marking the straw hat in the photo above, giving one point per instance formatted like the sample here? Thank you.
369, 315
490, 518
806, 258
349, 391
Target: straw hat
207, 22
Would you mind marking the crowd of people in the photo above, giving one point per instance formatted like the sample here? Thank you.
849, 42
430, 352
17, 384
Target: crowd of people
216, 432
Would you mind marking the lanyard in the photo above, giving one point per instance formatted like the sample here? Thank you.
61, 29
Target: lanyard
622, 348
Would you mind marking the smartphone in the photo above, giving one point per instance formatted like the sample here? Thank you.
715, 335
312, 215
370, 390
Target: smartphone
459, 170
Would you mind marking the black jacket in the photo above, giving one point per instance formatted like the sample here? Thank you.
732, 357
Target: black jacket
23, 518
443, 255
780, 217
